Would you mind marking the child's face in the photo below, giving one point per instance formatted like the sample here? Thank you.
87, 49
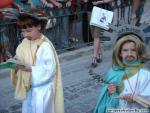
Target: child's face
128, 52
31, 33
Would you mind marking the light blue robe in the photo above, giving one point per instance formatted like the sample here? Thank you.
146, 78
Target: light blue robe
105, 100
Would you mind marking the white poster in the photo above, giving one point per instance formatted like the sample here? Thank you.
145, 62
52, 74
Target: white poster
101, 18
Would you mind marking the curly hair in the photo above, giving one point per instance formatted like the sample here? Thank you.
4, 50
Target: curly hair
32, 17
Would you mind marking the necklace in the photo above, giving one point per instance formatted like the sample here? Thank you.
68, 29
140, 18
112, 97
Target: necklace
133, 91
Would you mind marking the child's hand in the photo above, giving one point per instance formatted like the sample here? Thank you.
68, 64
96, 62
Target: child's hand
128, 97
23, 68
111, 89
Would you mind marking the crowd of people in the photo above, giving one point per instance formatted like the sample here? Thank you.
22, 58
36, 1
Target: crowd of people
59, 31
62, 14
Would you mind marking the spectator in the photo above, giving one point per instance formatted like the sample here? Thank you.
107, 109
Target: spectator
47, 3
61, 11
145, 17
50, 32
72, 18
136, 4
8, 40
122, 11
86, 34
7, 4
23, 4
97, 53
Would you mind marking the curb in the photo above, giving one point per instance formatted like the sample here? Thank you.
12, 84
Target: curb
70, 55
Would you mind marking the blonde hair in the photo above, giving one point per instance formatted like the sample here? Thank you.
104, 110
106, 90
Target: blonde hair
139, 45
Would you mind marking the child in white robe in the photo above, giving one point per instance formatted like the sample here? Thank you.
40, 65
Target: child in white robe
39, 84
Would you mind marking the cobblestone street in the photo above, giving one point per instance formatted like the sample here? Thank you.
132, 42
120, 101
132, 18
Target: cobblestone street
81, 89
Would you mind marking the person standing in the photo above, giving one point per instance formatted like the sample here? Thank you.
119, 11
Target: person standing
8, 40
145, 16
97, 48
61, 10
38, 85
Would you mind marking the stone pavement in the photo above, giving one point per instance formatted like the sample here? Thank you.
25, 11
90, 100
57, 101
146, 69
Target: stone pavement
81, 89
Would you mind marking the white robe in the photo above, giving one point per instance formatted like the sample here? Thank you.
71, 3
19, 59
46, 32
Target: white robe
40, 98
140, 83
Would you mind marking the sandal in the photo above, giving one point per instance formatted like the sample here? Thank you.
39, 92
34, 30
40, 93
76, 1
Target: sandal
94, 62
99, 58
